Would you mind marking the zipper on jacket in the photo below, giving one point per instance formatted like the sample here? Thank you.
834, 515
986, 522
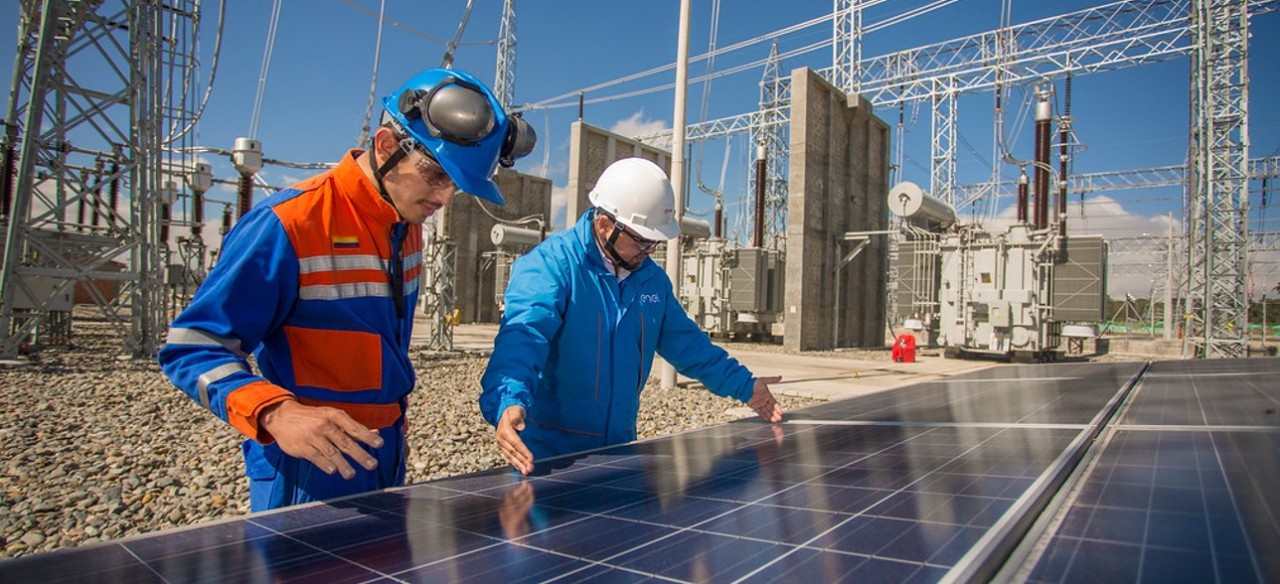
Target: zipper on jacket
395, 268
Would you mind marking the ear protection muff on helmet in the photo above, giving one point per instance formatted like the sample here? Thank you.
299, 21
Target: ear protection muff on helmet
453, 110
460, 122
459, 112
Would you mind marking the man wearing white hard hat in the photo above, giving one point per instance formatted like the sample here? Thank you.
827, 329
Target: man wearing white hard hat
586, 311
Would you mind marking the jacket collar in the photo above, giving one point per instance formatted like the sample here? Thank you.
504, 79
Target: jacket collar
353, 184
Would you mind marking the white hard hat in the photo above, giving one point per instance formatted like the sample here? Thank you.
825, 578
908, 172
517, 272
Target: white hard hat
637, 193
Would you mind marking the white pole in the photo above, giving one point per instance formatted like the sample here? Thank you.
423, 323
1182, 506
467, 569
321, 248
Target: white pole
1168, 284
677, 164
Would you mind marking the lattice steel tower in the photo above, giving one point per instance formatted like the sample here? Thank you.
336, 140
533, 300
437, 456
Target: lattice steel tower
1217, 310
504, 82
99, 89
770, 133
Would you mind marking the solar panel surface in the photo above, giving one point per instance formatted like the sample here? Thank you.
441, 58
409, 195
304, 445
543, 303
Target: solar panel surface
1184, 487
919, 484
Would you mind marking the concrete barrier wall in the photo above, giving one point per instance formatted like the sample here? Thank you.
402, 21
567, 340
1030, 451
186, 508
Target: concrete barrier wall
838, 183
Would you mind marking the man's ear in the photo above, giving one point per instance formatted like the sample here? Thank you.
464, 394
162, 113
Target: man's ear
384, 143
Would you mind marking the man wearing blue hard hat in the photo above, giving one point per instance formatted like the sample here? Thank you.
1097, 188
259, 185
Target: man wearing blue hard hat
318, 282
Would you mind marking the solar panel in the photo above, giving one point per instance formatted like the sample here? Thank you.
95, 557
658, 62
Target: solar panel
931, 482
1184, 488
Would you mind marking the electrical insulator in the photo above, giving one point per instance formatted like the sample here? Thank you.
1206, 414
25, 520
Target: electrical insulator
247, 156
201, 179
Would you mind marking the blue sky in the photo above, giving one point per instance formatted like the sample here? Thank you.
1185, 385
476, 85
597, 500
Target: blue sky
319, 77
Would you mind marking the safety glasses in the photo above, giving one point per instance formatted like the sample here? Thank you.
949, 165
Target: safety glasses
432, 173
645, 245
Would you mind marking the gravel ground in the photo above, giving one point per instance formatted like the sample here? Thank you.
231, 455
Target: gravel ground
96, 448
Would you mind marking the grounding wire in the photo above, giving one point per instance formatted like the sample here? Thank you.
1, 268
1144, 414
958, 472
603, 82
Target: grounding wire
535, 218
666, 86
447, 61
706, 91
411, 30
662, 68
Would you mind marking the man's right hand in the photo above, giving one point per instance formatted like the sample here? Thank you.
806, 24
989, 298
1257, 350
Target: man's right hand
320, 435
508, 433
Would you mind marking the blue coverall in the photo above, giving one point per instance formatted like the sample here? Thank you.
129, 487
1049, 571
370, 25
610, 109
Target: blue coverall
304, 284
576, 346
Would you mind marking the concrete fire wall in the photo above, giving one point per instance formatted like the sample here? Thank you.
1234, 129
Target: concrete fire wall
469, 225
838, 183
591, 149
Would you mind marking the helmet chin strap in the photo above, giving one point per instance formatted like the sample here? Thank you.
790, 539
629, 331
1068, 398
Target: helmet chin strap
609, 248
379, 171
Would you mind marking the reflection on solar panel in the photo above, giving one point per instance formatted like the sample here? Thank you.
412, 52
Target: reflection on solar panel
940, 481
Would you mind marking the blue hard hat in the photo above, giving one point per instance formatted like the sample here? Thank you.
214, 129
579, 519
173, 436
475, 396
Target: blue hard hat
459, 121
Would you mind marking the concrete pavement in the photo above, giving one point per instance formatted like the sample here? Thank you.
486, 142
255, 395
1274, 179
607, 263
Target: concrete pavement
824, 377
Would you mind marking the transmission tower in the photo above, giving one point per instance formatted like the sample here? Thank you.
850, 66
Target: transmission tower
100, 88
770, 135
846, 50
1217, 311
504, 82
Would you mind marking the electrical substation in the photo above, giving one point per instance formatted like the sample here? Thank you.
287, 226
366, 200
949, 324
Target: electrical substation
831, 257
839, 239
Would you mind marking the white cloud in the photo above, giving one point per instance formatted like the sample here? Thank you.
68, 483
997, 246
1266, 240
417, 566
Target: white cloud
1101, 215
636, 125
559, 206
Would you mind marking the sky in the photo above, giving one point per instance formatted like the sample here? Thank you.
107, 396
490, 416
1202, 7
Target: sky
316, 89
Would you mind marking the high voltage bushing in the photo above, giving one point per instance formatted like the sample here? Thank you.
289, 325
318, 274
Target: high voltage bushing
226, 220
168, 194
247, 158
200, 181
1044, 113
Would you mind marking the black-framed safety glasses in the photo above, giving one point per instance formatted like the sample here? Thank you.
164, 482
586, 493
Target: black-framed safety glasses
645, 245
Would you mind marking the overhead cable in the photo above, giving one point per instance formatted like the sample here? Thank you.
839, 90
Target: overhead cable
555, 102
213, 73
266, 66
373, 80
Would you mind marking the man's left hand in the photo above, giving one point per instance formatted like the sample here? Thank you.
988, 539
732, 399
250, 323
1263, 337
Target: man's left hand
762, 400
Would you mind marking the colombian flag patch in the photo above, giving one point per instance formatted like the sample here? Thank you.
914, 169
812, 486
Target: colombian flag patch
346, 242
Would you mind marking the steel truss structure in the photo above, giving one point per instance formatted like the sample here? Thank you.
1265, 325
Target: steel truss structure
101, 92
773, 137
1217, 310
504, 78
438, 297
1114, 36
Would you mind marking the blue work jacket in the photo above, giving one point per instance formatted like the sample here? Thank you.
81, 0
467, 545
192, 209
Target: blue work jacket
576, 346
